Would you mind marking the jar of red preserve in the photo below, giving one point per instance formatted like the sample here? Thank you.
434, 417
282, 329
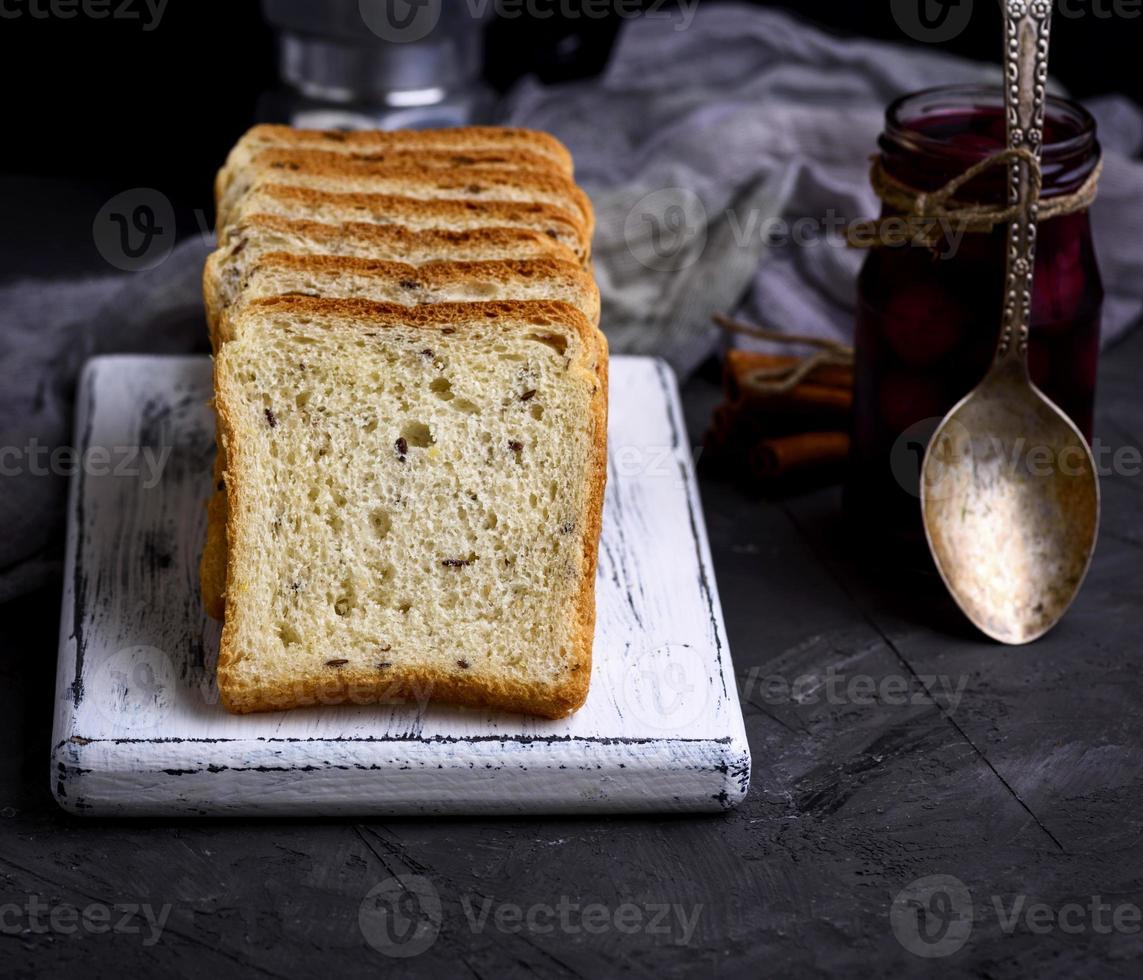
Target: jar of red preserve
928, 316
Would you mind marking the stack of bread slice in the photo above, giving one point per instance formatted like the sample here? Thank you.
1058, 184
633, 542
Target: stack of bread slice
411, 388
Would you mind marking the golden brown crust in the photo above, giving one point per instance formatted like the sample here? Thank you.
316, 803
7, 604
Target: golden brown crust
212, 567
334, 685
441, 274
460, 138
395, 685
467, 182
212, 293
397, 238
558, 223
459, 159
435, 315
593, 527
437, 271
384, 239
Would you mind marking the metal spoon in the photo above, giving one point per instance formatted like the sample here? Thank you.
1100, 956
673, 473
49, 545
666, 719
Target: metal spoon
1009, 491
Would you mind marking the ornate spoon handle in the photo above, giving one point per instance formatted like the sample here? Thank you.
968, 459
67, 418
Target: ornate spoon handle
1026, 27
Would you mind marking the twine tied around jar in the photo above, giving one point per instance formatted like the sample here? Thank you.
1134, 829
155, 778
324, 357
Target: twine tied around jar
929, 212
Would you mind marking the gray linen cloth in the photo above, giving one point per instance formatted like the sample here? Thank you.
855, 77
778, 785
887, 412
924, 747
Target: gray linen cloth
746, 111
49, 329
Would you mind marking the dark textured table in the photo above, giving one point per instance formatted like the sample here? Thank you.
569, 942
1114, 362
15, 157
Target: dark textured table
890, 745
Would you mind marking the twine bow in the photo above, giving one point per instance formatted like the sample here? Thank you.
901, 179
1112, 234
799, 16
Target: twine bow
930, 210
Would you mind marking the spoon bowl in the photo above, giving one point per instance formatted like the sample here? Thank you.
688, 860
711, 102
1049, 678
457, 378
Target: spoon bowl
1010, 496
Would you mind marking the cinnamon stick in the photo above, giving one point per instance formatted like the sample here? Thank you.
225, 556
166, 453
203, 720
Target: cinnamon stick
742, 364
804, 399
800, 456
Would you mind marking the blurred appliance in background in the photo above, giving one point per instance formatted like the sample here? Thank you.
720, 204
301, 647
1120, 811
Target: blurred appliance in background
388, 64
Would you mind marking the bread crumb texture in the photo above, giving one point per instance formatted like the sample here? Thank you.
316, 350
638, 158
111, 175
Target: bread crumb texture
413, 505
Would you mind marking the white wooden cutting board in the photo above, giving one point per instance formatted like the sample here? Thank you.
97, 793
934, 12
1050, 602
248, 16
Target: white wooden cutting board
139, 729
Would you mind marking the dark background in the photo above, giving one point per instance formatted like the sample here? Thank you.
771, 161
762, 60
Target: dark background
1033, 789
104, 101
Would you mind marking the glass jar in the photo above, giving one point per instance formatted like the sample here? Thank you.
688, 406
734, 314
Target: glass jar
928, 318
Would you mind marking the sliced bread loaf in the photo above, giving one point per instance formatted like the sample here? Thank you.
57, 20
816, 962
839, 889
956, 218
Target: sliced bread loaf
414, 503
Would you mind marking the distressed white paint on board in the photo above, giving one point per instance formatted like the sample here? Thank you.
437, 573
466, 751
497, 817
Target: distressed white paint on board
139, 729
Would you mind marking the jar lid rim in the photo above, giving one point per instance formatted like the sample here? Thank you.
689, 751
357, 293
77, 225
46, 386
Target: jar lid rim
968, 96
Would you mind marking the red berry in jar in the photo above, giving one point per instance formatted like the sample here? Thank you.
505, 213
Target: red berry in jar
922, 323
1060, 282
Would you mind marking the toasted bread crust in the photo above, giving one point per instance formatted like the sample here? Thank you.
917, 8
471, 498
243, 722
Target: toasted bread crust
558, 223
458, 160
432, 275
397, 239
212, 565
384, 242
459, 139
360, 685
357, 175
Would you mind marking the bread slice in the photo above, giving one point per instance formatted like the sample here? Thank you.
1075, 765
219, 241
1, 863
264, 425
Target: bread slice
258, 234
422, 184
462, 140
442, 161
414, 503
561, 225
279, 274
458, 157
336, 277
